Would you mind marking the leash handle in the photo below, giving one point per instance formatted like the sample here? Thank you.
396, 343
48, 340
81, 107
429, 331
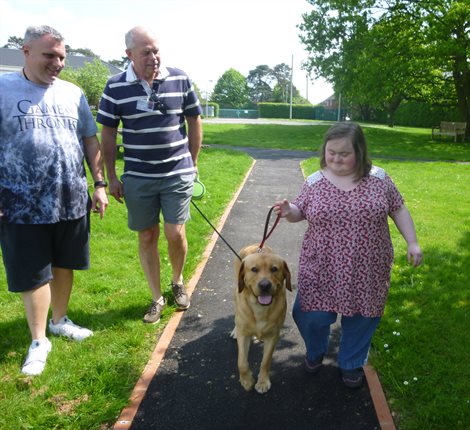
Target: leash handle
266, 234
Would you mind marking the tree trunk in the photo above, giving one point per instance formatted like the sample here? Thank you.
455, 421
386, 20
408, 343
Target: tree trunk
392, 108
461, 75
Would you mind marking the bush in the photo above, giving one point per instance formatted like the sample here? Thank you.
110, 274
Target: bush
91, 79
417, 114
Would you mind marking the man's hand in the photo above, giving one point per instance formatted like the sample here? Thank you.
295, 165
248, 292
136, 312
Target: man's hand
116, 190
99, 201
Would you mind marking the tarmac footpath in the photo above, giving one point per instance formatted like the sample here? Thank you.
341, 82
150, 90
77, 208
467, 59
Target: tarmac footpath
191, 380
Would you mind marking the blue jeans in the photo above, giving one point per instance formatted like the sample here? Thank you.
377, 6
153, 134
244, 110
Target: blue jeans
356, 335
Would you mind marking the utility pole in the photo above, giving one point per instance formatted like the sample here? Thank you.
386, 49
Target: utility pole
291, 78
339, 108
306, 86
207, 98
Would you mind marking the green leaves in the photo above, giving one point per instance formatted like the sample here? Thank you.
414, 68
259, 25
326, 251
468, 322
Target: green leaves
378, 52
231, 90
91, 79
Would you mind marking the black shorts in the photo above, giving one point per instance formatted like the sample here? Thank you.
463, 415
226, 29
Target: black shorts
30, 251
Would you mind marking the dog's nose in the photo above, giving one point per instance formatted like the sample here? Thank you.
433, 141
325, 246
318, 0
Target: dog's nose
264, 285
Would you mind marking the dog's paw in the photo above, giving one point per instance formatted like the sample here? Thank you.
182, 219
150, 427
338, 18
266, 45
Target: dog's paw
247, 382
233, 333
263, 386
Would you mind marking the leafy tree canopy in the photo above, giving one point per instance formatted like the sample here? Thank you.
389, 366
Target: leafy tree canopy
84, 52
379, 52
231, 90
259, 84
14, 42
122, 63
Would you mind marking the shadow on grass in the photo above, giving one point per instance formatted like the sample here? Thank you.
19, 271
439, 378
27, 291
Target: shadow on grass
16, 337
441, 285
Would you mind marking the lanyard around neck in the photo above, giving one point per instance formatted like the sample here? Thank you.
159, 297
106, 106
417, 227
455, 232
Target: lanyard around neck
146, 87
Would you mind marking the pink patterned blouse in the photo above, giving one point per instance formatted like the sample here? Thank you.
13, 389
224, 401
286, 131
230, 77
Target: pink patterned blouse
347, 254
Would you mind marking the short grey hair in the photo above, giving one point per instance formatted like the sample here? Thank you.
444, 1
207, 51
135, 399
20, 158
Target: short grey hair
129, 38
35, 32
130, 35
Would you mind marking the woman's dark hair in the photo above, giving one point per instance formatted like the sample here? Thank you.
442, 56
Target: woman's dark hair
358, 140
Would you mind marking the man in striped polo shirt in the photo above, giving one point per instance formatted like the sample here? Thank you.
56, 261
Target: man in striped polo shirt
153, 104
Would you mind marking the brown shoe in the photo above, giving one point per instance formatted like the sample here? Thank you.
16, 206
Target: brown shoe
154, 312
313, 366
180, 295
353, 378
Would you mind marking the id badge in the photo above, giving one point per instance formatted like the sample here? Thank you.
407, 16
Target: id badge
145, 105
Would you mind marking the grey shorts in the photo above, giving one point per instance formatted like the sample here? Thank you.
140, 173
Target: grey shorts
146, 198
30, 251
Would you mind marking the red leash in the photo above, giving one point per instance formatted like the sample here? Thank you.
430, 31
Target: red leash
266, 234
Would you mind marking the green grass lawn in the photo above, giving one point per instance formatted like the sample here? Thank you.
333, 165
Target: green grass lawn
420, 350
383, 141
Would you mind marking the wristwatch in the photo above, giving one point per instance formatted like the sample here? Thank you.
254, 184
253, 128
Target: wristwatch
99, 184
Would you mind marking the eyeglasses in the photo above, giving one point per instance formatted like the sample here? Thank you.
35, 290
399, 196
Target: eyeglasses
159, 105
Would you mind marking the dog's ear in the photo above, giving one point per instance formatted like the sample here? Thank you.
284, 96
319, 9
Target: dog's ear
241, 277
287, 276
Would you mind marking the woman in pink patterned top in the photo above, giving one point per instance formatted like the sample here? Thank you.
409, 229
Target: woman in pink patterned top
347, 254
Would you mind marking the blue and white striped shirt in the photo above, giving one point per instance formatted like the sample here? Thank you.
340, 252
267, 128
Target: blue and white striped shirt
155, 141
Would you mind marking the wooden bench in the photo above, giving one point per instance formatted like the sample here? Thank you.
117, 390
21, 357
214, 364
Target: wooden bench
454, 129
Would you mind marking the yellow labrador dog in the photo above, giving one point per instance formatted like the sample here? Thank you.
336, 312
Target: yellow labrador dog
260, 309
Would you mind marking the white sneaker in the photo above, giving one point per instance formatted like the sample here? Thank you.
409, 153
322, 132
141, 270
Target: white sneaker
37, 356
67, 328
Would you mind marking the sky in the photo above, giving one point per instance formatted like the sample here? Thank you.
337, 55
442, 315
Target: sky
205, 38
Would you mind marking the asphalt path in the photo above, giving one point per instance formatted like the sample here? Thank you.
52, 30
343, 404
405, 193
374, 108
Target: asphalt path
196, 385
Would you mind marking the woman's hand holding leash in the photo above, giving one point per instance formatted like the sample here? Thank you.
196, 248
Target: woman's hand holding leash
289, 211
282, 208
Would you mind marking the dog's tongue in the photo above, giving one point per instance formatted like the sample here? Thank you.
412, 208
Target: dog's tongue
265, 300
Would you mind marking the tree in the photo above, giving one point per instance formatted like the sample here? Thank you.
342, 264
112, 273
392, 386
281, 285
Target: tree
84, 52
417, 48
273, 85
231, 90
447, 33
259, 83
14, 42
380, 68
122, 63
282, 74
368, 58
